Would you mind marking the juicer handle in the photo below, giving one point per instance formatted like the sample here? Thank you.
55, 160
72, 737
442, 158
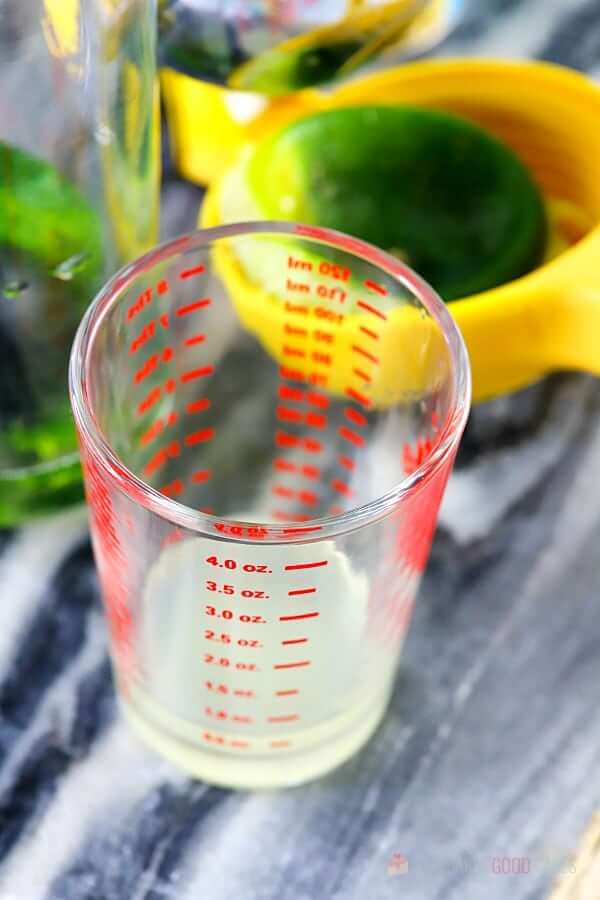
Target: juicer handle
546, 322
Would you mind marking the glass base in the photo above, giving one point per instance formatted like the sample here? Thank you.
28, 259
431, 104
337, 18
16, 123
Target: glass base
311, 753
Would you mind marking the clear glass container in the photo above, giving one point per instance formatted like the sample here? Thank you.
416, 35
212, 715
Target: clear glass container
79, 181
268, 416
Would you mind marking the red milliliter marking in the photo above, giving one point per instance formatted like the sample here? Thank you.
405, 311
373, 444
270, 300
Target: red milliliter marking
290, 374
189, 273
196, 339
290, 393
293, 351
202, 303
161, 456
199, 437
317, 399
295, 329
369, 332
295, 641
201, 476
310, 471
353, 415
289, 693
240, 745
173, 489
197, 373
198, 406
149, 401
299, 592
372, 309
285, 414
346, 462
153, 432
162, 287
370, 356
375, 286
279, 744
341, 487
351, 436
360, 398
299, 616
363, 375
281, 491
281, 719
282, 465
308, 498
316, 420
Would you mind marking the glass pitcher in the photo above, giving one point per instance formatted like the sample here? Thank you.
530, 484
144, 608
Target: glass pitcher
79, 179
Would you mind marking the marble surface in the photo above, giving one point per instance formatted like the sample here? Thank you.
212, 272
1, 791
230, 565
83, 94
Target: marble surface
491, 748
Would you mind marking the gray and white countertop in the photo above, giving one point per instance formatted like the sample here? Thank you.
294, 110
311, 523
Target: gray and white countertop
491, 748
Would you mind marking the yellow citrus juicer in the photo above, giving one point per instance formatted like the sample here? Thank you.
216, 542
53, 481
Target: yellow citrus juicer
549, 319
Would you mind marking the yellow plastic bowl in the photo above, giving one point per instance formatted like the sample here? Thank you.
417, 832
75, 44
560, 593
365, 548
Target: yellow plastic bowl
549, 319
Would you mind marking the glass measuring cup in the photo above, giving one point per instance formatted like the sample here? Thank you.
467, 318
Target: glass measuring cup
268, 414
79, 179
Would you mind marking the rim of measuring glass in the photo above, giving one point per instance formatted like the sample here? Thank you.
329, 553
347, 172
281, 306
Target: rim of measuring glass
183, 516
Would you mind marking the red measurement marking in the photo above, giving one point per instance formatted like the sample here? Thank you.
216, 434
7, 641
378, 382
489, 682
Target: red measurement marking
170, 385
311, 565
290, 393
162, 287
346, 462
282, 439
198, 406
295, 641
290, 374
280, 491
199, 437
354, 416
240, 745
351, 436
370, 356
197, 373
298, 616
155, 429
289, 693
283, 718
296, 308
302, 530
201, 476
149, 401
316, 420
189, 273
362, 375
375, 286
341, 487
299, 592
161, 456
285, 414
372, 309
294, 329
196, 339
369, 333
293, 351
283, 465
143, 300
146, 369
360, 398
277, 744
412, 458
193, 307
294, 665
173, 489
316, 399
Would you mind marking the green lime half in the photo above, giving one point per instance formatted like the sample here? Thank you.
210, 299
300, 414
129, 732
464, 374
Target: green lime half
430, 187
